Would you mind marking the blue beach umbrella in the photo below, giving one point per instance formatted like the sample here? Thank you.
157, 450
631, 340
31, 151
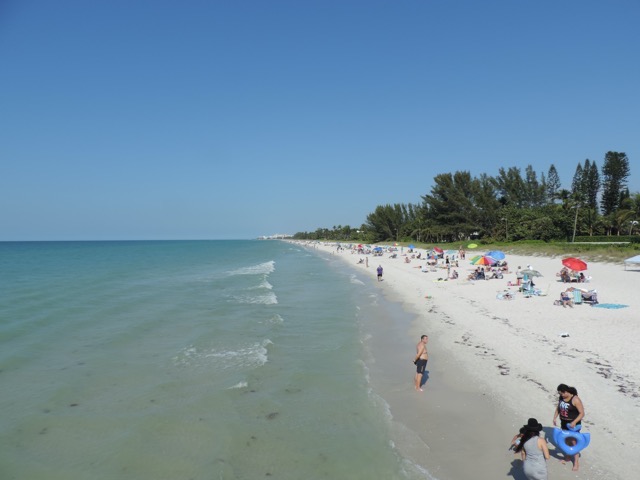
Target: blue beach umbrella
411, 246
377, 249
497, 254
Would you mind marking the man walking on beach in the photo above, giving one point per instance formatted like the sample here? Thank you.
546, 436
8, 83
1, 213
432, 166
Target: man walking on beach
379, 273
420, 360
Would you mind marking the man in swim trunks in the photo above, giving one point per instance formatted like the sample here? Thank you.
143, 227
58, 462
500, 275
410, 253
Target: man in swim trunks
420, 361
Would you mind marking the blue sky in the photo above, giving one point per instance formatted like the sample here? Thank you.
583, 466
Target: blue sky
208, 119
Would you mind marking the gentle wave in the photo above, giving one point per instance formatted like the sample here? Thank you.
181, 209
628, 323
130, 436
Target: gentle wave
251, 356
266, 299
261, 269
238, 386
353, 279
276, 320
263, 285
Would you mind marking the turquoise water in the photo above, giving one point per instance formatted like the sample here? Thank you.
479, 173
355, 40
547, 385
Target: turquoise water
186, 360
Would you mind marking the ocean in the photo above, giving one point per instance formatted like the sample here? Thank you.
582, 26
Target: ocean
190, 360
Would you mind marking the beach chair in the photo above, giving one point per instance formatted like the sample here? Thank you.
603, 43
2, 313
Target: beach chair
544, 293
590, 297
526, 287
577, 297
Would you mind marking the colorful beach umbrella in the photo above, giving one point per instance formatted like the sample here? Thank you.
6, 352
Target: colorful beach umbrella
497, 254
484, 260
437, 249
574, 264
475, 259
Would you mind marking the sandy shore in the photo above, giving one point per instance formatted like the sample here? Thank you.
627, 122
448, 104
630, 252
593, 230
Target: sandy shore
494, 363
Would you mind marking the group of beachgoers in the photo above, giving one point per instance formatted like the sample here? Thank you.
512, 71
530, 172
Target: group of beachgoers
528, 442
533, 448
569, 276
524, 277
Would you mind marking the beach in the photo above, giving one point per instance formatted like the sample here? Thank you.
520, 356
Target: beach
493, 363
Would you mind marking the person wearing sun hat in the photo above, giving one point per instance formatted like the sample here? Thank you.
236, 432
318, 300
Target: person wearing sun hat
535, 450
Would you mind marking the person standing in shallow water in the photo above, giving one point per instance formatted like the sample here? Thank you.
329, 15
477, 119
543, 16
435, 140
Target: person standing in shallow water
379, 273
420, 361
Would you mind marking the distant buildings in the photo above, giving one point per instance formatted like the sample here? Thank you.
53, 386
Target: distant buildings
277, 236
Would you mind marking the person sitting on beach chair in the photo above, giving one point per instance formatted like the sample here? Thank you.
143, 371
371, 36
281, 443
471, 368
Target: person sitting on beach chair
564, 275
496, 274
565, 298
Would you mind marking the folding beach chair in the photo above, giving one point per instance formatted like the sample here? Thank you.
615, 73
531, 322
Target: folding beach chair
590, 297
577, 297
544, 293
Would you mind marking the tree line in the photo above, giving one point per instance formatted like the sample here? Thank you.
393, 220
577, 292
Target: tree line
510, 206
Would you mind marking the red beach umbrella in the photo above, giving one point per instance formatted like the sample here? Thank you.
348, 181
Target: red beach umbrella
439, 250
574, 264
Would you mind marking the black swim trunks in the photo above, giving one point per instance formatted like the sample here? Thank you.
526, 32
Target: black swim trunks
421, 365
565, 423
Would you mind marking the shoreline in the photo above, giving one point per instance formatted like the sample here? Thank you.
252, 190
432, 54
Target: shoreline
494, 363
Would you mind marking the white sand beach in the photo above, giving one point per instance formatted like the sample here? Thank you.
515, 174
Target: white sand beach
494, 363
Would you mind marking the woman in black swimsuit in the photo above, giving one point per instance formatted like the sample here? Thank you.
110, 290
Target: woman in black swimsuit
571, 412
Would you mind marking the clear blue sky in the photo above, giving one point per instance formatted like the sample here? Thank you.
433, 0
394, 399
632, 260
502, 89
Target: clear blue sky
155, 119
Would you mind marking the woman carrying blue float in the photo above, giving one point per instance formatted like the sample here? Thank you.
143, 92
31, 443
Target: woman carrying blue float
571, 412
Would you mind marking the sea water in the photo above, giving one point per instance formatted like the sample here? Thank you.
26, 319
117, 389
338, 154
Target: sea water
188, 360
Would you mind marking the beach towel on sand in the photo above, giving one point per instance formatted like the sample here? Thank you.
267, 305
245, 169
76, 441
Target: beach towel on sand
609, 305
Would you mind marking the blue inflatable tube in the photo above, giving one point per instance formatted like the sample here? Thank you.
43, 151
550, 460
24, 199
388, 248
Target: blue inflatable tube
560, 438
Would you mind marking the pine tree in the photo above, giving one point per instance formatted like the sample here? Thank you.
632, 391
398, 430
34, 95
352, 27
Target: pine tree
553, 184
615, 173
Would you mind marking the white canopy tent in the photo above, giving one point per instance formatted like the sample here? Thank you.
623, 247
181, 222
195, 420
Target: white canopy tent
633, 261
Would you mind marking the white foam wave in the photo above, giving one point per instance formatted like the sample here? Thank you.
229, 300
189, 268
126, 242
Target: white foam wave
276, 320
355, 280
413, 470
250, 356
238, 386
265, 299
261, 269
263, 285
